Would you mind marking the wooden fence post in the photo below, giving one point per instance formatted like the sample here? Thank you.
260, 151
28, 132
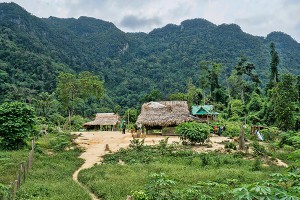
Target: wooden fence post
18, 180
15, 187
12, 190
24, 171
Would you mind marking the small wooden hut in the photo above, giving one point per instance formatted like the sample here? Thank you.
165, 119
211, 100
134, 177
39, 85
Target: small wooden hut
158, 115
204, 113
103, 121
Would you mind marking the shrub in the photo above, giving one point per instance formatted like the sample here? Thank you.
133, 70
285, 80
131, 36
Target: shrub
61, 142
77, 122
258, 150
257, 165
270, 134
137, 144
280, 187
232, 129
193, 132
139, 195
159, 187
16, 124
230, 145
290, 138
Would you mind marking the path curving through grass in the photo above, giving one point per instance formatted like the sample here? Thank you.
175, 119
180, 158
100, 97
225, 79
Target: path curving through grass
96, 144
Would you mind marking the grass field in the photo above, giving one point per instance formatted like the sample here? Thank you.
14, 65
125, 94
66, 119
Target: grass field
51, 174
10, 163
113, 180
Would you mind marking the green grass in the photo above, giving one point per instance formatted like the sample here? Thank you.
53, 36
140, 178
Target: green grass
51, 177
51, 174
113, 181
10, 163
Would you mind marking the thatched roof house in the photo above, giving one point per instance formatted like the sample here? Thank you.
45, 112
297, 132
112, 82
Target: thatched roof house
164, 114
103, 120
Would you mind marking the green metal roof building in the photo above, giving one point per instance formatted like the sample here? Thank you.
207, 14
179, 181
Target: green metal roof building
204, 112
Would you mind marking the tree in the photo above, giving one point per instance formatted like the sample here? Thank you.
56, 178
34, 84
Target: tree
209, 77
16, 124
178, 97
273, 67
71, 87
194, 95
44, 103
154, 95
243, 80
237, 109
284, 106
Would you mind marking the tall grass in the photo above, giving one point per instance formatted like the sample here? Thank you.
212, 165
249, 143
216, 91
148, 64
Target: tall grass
10, 164
51, 174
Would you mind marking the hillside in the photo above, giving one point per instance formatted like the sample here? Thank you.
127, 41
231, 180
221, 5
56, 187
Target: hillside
34, 50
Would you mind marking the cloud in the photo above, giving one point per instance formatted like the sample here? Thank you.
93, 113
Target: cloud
254, 16
137, 23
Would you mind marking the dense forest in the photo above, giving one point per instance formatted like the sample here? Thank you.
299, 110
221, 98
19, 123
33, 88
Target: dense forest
168, 63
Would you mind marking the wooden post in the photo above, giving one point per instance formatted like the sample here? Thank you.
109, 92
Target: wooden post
15, 188
28, 162
18, 180
242, 138
106, 148
24, 171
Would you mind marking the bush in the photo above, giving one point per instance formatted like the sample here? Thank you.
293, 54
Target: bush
16, 124
77, 122
258, 150
61, 142
232, 129
269, 134
139, 195
159, 186
290, 138
137, 144
230, 145
193, 132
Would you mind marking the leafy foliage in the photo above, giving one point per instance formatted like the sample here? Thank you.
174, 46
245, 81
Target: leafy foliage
16, 124
282, 186
132, 65
193, 132
259, 150
290, 138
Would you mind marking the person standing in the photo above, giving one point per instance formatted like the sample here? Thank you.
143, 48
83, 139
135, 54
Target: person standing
124, 128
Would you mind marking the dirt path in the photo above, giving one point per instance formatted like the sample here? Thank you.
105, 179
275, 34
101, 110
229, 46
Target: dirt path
95, 144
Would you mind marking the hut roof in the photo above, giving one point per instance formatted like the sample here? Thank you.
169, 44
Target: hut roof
203, 110
164, 113
104, 119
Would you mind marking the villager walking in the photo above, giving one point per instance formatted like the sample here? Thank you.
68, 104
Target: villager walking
123, 126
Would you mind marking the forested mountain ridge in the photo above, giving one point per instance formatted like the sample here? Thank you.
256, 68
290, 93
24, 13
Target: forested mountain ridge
34, 50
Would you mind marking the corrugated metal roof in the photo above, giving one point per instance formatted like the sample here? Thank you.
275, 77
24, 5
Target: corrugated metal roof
203, 110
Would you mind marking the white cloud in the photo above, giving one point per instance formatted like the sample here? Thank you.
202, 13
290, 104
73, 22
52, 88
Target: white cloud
257, 17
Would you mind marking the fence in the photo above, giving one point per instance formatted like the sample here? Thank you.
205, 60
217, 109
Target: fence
22, 173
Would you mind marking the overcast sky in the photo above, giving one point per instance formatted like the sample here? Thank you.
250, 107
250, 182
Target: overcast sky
257, 17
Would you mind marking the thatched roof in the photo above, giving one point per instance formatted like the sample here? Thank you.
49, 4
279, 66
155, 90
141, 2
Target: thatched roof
164, 113
104, 119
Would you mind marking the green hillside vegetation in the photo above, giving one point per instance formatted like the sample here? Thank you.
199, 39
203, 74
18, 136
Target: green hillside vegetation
34, 51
